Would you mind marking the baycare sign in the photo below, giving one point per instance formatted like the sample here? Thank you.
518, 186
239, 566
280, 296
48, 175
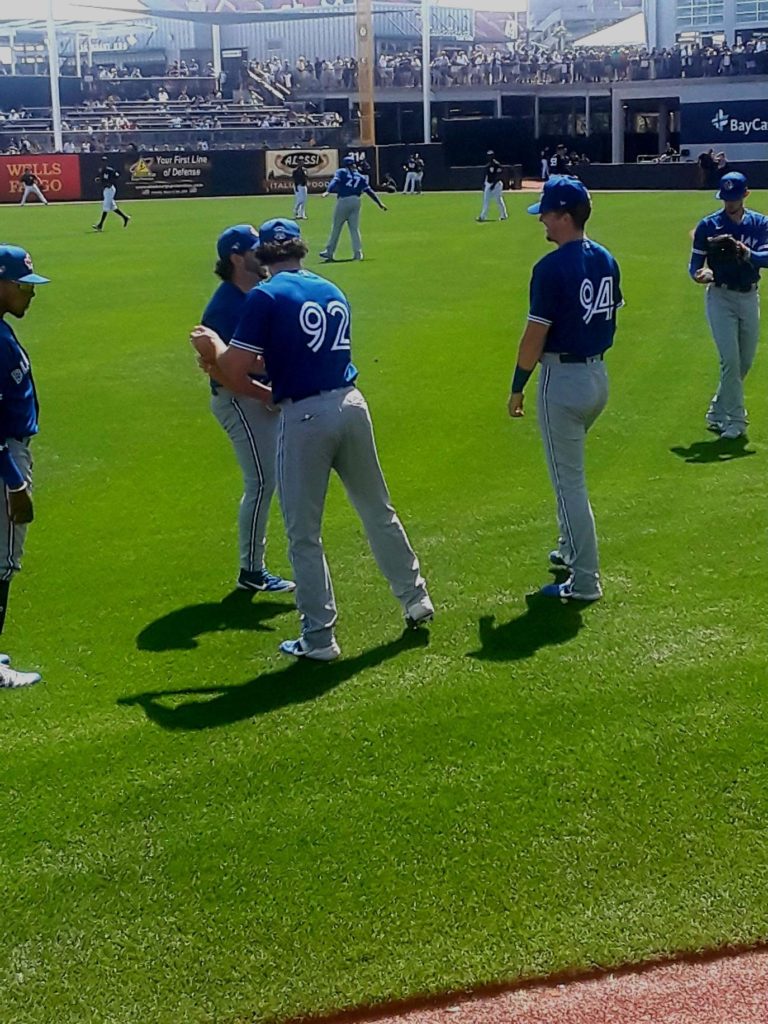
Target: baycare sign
59, 175
320, 165
721, 123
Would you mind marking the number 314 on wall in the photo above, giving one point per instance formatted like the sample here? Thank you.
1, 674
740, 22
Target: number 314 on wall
318, 324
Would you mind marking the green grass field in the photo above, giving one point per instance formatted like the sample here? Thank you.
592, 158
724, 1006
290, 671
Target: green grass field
524, 791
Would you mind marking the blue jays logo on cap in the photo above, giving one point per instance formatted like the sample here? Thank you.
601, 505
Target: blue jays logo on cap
279, 231
732, 186
240, 238
560, 192
16, 265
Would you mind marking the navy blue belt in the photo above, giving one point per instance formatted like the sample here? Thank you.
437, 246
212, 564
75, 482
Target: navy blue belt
567, 357
743, 288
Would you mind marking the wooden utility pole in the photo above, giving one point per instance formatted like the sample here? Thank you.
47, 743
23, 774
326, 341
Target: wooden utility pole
365, 71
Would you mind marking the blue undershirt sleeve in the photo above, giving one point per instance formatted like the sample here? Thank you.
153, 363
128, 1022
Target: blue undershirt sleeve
9, 471
699, 250
759, 255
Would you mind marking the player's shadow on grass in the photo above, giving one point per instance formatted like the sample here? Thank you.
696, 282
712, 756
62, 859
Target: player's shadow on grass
718, 450
301, 681
179, 629
546, 623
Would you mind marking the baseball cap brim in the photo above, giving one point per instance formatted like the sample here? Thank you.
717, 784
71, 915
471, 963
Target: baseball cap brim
536, 208
735, 193
33, 279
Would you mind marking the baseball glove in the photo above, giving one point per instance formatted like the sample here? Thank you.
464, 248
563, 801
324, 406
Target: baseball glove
724, 247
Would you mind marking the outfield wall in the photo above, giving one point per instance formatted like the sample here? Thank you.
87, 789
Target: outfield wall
265, 172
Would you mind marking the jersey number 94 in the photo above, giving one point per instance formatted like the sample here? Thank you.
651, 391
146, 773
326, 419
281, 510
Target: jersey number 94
597, 303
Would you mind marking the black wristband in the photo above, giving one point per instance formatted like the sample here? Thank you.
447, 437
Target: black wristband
520, 379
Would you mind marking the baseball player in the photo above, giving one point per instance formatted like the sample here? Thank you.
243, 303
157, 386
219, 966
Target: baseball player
18, 424
411, 176
558, 162
296, 328
107, 178
493, 186
733, 242
31, 184
575, 292
300, 191
417, 159
250, 424
348, 185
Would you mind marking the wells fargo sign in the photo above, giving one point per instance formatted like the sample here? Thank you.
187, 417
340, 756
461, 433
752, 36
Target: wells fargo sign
59, 176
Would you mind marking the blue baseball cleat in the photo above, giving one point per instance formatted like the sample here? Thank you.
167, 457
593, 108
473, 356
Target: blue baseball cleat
564, 591
264, 582
300, 649
556, 559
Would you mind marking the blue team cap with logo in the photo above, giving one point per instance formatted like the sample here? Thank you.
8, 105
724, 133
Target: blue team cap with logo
349, 161
278, 231
16, 265
560, 192
732, 186
240, 238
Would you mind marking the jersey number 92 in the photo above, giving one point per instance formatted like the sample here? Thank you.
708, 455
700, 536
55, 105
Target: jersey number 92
320, 324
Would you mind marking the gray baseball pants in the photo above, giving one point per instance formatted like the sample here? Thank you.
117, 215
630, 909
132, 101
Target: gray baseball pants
253, 430
734, 320
12, 535
571, 397
347, 211
333, 431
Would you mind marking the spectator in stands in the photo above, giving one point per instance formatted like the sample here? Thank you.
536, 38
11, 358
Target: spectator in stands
670, 154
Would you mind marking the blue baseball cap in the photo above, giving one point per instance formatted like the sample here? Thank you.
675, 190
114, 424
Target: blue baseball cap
349, 160
278, 231
16, 265
240, 238
732, 186
560, 192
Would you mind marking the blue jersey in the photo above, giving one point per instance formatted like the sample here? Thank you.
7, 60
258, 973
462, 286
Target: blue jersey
223, 312
299, 323
576, 291
346, 183
752, 230
18, 401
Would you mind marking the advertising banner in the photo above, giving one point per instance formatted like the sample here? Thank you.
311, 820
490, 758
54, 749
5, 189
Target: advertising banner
165, 176
320, 165
724, 123
59, 176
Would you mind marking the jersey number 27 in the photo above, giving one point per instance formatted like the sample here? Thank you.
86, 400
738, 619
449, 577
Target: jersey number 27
597, 303
318, 324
